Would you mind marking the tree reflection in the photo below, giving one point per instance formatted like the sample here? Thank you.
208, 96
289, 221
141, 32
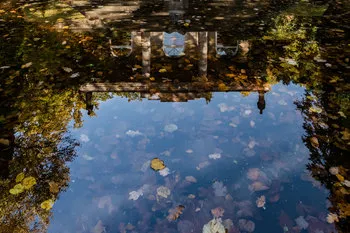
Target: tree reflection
324, 106
43, 97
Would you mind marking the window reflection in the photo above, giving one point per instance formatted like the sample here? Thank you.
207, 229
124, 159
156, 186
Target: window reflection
174, 44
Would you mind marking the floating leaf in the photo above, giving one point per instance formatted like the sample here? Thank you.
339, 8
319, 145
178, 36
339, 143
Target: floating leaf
222, 87
217, 212
315, 109
4, 141
342, 114
162, 70
175, 213
214, 226
333, 170
27, 65
47, 205
53, 187
157, 164
314, 142
75, 75
67, 69
331, 218
17, 189
340, 177
28, 182
260, 202
19, 177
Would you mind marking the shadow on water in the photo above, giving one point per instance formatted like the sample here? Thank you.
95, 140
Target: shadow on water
61, 59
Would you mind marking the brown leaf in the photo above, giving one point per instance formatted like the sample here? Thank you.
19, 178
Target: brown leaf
175, 213
53, 187
261, 201
314, 142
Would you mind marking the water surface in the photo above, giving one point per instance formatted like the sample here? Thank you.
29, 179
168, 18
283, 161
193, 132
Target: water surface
170, 116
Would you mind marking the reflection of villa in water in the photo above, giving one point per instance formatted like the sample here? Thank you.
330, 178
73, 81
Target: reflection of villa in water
151, 36
174, 44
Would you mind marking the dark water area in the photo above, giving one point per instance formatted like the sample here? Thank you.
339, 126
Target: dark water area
174, 116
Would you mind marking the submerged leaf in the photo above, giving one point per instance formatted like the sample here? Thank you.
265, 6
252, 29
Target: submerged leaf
133, 133
98, 228
175, 212
163, 191
257, 186
219, 189
301, 222
246, 225
170, 128
157, 164
191, 179
215, 156
134, 195
164, 172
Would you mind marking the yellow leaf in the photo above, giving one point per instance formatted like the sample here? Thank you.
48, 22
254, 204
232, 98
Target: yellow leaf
17, 189
28, 182
340, 177
157, 164
27, 65
19, 177
65, 27
162, 70
222, 87
314, 142
186, 24
47, 205
230, 75
137, 67
152, 78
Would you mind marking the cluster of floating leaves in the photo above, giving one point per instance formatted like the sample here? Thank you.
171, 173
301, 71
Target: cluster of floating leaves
23, 183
